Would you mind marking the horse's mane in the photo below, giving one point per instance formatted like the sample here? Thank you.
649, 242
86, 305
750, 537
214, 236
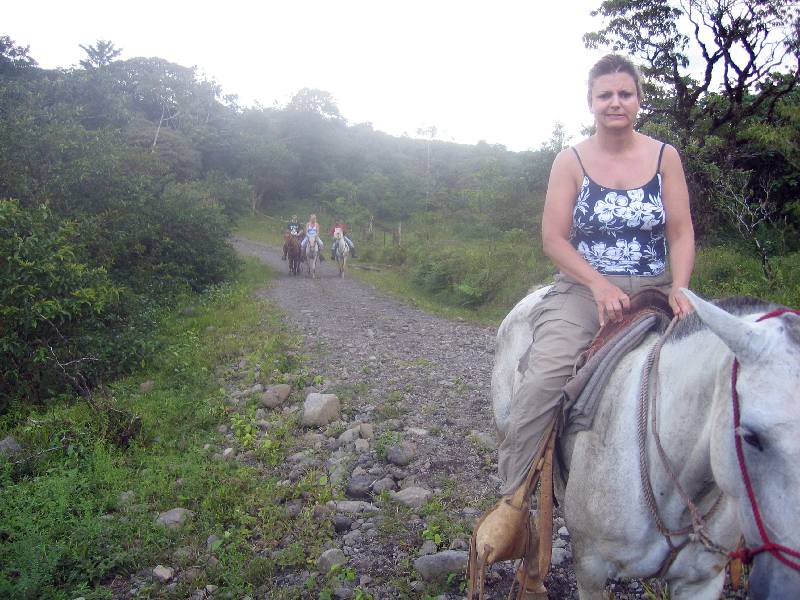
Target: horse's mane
736, 305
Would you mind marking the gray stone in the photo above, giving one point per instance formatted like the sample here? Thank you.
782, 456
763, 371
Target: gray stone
387, 483
436, 567
358, 486
367, 431
9, 446
229, 453
351, 506
281, 390
147, 386
174, 517
558, 556
349, 435
428, 547
352, 538
163, 574
401, 454
320, 409
342, 523
362, 446
270, 400
256, 389
459, 544
329, 559
414, 497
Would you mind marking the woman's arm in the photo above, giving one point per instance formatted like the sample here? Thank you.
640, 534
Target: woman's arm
680, 231
562, 190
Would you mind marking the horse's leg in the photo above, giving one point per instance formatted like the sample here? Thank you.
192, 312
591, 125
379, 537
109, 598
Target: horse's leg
591, 578
698, 574
708, 589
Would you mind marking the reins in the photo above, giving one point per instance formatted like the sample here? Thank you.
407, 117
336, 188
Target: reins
745, 554
697, 527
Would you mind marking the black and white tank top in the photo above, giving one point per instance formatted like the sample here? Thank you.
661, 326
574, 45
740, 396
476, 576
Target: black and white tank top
621, 232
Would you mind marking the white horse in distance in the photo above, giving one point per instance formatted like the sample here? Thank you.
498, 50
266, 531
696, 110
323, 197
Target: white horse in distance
312, 255
341, 249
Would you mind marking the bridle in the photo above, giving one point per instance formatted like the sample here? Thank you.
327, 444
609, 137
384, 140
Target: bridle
744, 553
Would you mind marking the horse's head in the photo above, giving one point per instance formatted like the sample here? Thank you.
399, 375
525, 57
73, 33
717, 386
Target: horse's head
755, 451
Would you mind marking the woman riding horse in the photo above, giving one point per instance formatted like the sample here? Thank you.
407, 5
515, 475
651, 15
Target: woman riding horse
616, 212
311, 229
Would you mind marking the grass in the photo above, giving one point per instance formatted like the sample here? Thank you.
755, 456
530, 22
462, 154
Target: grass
65, 531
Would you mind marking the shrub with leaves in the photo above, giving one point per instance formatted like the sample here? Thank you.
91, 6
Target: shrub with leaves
52, 305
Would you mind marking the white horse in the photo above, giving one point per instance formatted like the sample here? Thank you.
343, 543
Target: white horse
341, 249
727, 413
312, 255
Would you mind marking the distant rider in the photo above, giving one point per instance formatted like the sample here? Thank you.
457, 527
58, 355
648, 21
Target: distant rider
312, 228
341, 225
293, 229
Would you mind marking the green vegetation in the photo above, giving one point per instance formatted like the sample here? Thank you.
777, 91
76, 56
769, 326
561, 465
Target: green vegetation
67, 532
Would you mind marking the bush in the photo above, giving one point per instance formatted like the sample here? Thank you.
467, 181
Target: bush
726, 270
52, 305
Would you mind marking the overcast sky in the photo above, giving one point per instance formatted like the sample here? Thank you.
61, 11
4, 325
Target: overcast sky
503, 71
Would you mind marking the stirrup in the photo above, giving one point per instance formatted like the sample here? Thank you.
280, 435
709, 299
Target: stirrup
505, 532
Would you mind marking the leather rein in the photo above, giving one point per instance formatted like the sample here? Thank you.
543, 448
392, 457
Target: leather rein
698, 526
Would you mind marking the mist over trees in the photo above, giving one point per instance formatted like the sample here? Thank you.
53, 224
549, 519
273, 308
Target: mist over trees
121, 178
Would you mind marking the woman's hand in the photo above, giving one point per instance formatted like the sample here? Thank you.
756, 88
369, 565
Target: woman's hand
612, 302
679, 303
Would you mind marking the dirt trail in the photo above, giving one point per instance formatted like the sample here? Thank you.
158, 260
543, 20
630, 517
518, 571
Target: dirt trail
434, 372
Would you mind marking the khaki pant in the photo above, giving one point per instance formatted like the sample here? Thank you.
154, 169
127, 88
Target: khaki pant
565, 322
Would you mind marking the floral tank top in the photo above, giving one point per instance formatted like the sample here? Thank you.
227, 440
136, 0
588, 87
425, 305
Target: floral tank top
621, 232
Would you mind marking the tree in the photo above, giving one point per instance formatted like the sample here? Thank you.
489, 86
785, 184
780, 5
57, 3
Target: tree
13, 58
742, 44
319, 102
99, 55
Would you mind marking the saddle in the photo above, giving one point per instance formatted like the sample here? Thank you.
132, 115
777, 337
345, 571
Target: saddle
650, 312
646, 302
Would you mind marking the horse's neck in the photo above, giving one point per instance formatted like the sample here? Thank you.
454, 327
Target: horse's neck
690, 382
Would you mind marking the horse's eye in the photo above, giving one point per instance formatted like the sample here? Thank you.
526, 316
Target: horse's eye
752, 439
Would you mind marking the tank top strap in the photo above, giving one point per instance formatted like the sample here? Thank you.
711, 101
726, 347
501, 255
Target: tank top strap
660, 156
580, 162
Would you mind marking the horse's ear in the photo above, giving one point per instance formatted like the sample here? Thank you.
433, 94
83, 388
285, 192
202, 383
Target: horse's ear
743, 338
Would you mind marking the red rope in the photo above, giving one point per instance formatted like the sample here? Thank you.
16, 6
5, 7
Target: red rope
745, 554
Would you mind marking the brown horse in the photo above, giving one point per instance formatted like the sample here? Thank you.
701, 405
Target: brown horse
293, 253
